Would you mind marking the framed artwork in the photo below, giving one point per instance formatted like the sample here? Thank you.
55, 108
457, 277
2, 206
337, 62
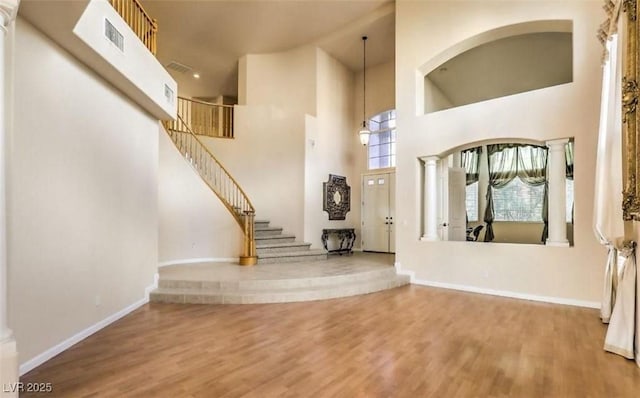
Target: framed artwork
336, 197
630, 117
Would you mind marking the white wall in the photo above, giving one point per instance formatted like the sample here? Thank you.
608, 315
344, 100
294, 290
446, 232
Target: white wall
193, 222
331, 147
426, 29
83, 214
381, 91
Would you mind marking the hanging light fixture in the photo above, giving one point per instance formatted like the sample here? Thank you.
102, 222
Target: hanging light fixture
364, 132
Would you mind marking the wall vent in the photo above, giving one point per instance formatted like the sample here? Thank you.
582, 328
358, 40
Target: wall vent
178, 67
113, 35
168, 93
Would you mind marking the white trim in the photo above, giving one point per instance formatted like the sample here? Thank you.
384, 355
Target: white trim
199, 260
78, 337
504, 293
152, 287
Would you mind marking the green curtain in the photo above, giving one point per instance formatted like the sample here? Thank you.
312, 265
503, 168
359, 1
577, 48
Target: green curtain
532, 170
568, 154
502, 161
470, 161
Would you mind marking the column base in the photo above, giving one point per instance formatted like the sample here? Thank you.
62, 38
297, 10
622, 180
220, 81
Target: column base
430, 238
9, 377
564, 243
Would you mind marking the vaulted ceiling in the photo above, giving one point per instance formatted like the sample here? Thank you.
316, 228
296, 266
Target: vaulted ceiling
210, 36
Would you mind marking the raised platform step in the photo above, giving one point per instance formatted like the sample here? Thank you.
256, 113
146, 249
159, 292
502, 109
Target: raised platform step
290, 257
279, 282
282, 238
263, 296
267, 231
264, 248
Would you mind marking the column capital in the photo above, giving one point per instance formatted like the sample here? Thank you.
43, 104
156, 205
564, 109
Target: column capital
429, 159
559, 141
8, 11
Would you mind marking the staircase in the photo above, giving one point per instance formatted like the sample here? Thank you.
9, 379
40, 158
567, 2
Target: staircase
274, 247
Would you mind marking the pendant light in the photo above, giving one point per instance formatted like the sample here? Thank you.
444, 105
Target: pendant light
364, 132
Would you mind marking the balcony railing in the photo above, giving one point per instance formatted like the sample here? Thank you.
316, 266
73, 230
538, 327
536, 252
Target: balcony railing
145, 27
204, 118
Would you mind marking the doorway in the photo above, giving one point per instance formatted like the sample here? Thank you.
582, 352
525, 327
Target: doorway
378, 212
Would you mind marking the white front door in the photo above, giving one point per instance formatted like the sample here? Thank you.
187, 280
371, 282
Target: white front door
377, 216
457, 212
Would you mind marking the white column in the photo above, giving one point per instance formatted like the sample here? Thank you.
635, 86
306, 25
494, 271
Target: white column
8, 349
430, 198
557, 193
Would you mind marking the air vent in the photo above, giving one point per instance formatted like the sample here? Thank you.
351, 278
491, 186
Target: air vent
178, 67
113, 35
168, 93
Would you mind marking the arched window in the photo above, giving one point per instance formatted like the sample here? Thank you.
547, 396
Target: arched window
382, 142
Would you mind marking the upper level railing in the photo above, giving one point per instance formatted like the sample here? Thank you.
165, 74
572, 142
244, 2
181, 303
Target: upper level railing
145, 27
204, 118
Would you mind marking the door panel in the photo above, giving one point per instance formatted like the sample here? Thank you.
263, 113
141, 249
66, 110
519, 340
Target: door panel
457, 222
378, 212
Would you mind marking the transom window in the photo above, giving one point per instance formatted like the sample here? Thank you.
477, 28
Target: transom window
382, 142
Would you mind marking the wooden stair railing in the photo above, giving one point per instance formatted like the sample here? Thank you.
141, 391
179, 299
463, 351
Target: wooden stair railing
205, 118
145, 27
219, 181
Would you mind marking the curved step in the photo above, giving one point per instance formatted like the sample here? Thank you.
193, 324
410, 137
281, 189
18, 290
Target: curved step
279, 283
263, 296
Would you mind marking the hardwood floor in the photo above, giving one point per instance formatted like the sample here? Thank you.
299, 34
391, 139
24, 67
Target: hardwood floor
407, 342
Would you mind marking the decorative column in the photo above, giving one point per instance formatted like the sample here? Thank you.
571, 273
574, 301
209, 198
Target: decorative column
430, 198
557, 193
8, 350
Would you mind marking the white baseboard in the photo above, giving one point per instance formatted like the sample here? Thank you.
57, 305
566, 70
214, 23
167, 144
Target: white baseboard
503, 293
59, 348
199, 260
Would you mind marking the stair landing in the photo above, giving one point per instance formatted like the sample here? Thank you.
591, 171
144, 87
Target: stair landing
226, 283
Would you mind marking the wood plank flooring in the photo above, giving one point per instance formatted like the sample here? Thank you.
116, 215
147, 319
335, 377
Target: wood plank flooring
411, 341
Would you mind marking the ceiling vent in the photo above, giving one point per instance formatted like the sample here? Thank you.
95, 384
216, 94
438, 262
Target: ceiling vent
178, 67
113, 35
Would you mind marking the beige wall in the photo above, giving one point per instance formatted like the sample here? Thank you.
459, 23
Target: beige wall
381, 91
193, 223
82, 230
331, 147
426, 29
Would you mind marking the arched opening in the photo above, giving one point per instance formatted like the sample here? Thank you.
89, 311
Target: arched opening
501, 62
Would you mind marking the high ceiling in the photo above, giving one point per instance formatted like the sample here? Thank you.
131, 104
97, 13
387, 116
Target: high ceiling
210, 36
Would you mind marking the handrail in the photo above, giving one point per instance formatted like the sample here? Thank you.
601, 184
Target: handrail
204, 118
145, 27
219, 180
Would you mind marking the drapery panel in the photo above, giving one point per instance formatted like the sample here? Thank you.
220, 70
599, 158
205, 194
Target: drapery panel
502, 161
508, 161
470, 161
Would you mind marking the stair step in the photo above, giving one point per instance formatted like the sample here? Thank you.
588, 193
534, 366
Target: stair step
267, 231
282, 238
291, 257
282, 247
261, 223
212, 296
274, 284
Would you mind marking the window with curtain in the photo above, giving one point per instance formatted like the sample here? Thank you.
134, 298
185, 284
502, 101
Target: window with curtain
517, 185
382, 142
470, 161
568, 154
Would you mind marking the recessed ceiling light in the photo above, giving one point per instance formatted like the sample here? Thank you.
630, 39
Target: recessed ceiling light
196, 75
